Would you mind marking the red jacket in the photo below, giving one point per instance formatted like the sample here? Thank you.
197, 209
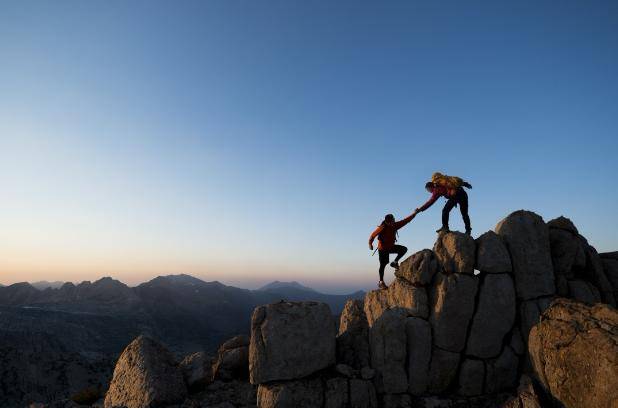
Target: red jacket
437, 192
387, 234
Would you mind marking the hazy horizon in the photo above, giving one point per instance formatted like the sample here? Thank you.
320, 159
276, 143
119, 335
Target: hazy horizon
253, 142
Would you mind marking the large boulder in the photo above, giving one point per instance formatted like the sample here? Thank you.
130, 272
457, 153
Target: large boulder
353, 338
527, 239
362, 394
400, 294
387, 339
291, 394
567, 251
418, 334
403, 295
146, 375
232, 359
456, 252
376, 302
596, 274
471, 378
584, 291
442, 370
336, 393
290, 340
491, 254
419, 268
197, 370
452, 306
564, 224
574, 353
501, 372
494, 317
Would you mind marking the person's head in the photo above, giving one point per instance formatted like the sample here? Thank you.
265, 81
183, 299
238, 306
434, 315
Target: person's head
389, 219
429, 186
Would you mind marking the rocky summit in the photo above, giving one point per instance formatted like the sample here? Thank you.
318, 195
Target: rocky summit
522, 317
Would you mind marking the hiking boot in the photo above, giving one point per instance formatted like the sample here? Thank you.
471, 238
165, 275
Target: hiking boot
395, 265
443, 229
469, 231
382, 285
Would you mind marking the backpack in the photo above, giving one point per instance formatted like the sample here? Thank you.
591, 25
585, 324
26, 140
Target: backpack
450, 182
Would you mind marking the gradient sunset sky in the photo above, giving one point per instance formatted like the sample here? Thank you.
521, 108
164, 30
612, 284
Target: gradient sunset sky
248, 141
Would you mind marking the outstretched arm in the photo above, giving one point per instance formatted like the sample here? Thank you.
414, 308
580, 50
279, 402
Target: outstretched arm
434, 197
373, 236
406, 220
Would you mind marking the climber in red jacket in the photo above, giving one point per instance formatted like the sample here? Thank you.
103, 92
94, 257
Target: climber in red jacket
387, 236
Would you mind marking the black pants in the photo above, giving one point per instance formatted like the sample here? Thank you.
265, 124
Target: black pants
384, 256
461, 198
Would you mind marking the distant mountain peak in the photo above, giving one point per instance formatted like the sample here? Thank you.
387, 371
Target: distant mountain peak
286, 285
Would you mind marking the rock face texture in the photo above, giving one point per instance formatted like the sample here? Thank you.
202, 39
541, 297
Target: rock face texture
494, 316
460, 326
418, 269
561, 348
290, 341
145, 376
197, 370
232, 359
527, 239
353, 338
491, 254
452, 306
456, 252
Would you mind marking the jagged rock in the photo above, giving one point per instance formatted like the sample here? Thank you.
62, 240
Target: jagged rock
501, 372
574, 353
291, 394
418, 334
442, 371
336, 393
584, 292
471, 378
456, 252
387, 340
197, 370
362, 394
145, 376
402, 294
452, 305
527, 239
290, 340
564, 224
494, 316
567, 252
491, 254
396, 401
232, 359
353, 338
419, 268
526, 396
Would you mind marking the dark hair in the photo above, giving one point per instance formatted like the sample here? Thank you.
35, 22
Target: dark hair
429, 184
388, 217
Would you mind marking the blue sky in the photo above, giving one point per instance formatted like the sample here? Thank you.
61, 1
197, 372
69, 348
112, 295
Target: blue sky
251, 141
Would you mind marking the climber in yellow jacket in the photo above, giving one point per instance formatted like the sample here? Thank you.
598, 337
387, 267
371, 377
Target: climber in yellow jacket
452, 188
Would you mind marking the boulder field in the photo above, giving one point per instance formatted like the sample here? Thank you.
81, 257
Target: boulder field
522, 317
